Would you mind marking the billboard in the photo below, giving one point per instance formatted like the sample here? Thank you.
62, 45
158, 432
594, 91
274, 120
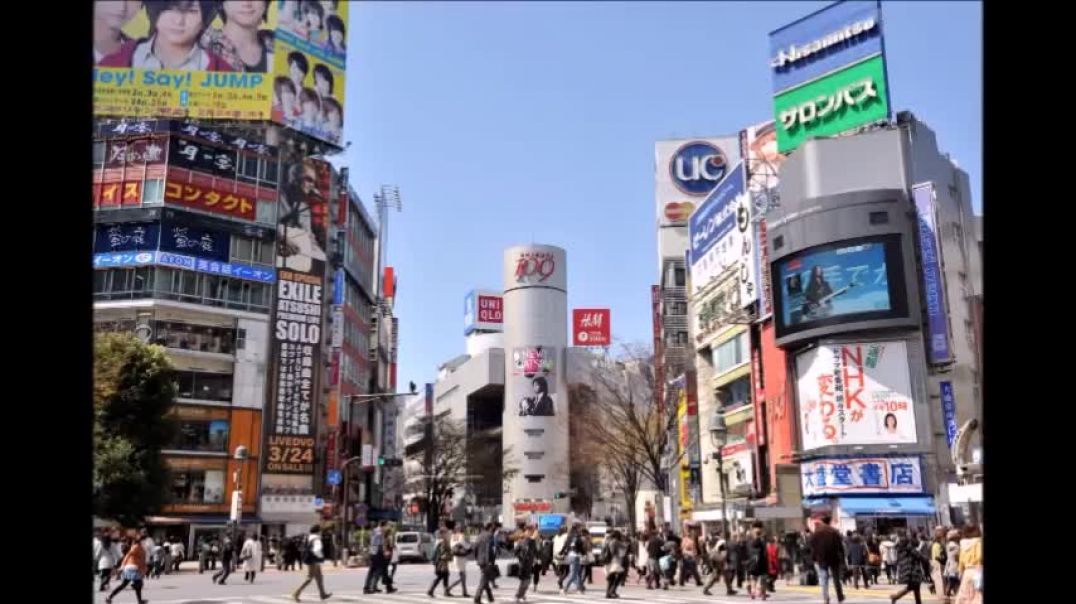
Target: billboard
933, 280
759, 148
126, 237
279, 60
686, 170
852, 280
836, 103
158, 58
483, 311
861, 475
721, 237
855, 394
590, 327
534, 368
196, 241
828, 72
209, 199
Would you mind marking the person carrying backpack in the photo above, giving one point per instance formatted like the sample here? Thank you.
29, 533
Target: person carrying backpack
718, 555
614, 551
314, 555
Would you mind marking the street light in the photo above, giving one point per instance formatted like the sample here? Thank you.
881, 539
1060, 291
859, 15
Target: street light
719, 435
237, 492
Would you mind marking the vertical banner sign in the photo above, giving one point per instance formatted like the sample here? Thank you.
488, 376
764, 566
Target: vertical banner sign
759, 149
659, 369
933, 286
948, 401
297, 350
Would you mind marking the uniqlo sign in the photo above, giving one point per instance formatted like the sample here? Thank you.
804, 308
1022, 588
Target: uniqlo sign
590, 327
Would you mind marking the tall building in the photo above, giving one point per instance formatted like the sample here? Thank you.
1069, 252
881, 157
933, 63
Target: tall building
211, 198
685, 172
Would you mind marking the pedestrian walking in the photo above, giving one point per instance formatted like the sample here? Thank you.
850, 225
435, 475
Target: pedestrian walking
560, 555
461, 549
485, 557
786, 556
718, 553
670, 561
970, 566
179, 552
392, 558
757, 567
642, 558
857, 561
498, 545
545, 558
214, 554
252, 558
951, 572
106, 555
315, 556
689, 552
442, 556
378, 562
203, 555
773, 564
874, 559
132, 570
655, 550
265, 551
742, 558
909, 569
888, 550
613, 552
588, 557
226, 555
576, 554
825, 545
937, 562
526, 552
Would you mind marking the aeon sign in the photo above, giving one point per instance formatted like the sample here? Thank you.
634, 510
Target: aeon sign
697, 167
534, 267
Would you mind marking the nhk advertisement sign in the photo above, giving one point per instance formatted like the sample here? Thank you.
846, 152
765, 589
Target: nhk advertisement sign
829, 73
686, 170
590, 327
855, 394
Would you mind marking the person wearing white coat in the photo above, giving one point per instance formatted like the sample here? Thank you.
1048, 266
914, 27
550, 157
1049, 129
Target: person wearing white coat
252, 558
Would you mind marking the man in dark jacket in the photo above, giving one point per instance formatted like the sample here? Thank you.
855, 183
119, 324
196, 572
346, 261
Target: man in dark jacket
654, 551
826, 553
486, 558
857, 561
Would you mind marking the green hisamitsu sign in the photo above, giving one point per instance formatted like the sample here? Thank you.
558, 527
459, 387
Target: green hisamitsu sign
840, 101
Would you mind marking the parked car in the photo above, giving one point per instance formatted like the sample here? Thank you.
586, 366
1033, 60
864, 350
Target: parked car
414, 546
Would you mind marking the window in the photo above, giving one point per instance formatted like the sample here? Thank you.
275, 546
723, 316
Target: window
205, 386
98, 154
265, 212
736, 393
241, 339
248, 167
249, 250
678, 277
191, 485
201, 435
778, 242
182, 285
879, 217
187, 336
153, 191
728, 355
271, 173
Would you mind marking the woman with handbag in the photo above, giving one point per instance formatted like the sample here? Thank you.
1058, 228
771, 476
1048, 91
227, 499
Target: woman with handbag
132, 569
461, 549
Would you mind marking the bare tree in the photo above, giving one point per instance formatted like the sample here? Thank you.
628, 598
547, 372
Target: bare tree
626, 423
444, 466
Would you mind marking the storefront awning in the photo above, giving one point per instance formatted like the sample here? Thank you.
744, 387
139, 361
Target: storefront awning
889, 506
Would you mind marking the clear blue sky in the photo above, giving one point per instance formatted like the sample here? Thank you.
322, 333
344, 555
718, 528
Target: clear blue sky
513, 122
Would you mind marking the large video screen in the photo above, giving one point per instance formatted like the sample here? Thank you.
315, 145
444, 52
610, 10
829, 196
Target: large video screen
852, 280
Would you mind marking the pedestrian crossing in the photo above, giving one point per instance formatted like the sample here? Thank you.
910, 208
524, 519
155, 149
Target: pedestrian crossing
546, 595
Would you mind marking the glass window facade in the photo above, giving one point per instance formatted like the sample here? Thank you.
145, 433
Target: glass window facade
203, 386
183, 286
202, 435
190, 485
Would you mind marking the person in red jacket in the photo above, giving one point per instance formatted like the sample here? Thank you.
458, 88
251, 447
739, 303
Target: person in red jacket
176, 26
773, 565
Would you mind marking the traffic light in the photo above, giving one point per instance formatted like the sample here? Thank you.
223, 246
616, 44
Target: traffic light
380, 460
559, 495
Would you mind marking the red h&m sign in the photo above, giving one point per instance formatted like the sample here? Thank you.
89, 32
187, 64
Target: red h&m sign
590, 327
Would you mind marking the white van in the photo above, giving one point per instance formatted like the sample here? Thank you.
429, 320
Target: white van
415, 546
598, 531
